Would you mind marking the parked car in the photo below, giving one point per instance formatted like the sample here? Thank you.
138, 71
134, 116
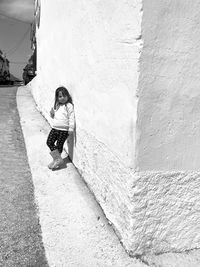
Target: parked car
18, 83
29, 73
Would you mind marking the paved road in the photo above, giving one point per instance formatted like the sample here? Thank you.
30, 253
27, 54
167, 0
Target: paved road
20, 232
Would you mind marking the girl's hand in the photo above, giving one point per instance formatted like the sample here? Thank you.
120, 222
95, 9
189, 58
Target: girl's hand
52, 113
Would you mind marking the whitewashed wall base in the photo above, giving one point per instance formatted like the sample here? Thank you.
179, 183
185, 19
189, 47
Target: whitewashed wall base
152, 212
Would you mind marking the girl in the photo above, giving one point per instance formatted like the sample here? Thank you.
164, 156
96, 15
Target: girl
62, 115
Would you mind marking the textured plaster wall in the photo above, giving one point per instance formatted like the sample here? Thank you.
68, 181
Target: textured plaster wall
168, 136
165, 214
152, 212
165, 196
92, 47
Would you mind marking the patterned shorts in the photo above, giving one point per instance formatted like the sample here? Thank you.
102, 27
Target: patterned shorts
56, 139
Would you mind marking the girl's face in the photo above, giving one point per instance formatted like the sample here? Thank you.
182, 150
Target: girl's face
61, 98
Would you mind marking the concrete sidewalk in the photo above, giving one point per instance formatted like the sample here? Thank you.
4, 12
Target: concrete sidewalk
75, 231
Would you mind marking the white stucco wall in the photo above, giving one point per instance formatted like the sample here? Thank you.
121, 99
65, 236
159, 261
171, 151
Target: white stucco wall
169, 105
167, 193
93, 48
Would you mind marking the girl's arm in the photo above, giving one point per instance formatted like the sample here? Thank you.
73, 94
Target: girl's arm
71, 117
52, 113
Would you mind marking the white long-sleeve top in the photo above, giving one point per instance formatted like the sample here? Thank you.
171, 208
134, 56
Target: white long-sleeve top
64, 118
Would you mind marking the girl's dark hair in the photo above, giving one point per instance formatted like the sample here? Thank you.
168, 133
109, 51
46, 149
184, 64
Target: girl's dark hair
65, 93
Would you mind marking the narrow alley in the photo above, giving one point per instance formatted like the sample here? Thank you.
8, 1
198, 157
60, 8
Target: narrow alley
110, 91
51, 218
47, 218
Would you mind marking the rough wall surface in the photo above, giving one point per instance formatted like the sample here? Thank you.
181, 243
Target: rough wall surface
166, 212
92, 48
169, 96
166, 200
152, 212
96, 56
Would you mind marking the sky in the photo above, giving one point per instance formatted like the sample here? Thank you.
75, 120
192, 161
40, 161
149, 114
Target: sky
15, 24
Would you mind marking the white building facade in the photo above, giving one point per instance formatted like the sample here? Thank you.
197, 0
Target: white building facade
131, 68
